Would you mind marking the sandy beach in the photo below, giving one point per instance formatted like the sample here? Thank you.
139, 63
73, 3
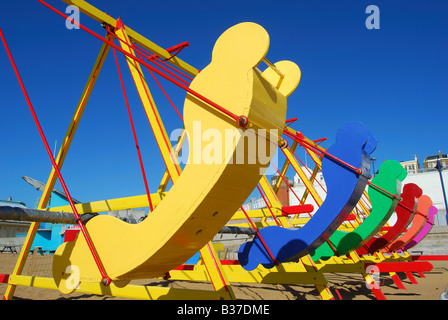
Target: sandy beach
345, 286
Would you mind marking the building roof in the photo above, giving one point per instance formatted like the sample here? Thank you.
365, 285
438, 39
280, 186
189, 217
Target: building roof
41, 187
11, 203
435, 157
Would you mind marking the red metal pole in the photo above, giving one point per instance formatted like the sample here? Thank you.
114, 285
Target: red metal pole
308, 145
242, 121
267, 206
106, 280
260, 237
134, 134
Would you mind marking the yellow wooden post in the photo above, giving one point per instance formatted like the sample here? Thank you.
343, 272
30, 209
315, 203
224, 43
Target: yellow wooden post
323, 290
59, 160
306, 261
132, 202
131, 291
103, 17
313, 175
274, 202
370, 281
303, 176
318, 162
285, 168
149, 105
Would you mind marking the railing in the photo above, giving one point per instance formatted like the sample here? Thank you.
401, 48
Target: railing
425, 170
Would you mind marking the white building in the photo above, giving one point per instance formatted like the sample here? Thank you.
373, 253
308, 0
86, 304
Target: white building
299, 188
430, 180
427, 179
255, 203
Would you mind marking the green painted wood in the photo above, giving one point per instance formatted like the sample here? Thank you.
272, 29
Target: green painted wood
389, 178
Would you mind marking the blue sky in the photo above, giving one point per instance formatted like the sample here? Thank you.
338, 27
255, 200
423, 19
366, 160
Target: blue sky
393, 79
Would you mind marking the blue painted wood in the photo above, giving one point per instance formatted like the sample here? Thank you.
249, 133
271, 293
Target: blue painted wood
354, 144
389, 178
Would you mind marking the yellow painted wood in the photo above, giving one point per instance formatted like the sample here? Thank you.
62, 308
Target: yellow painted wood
285, 168
258, 224
318, 162
310, 266
21, 260
339, 264
215, 271
288, 273
290, 76
112, 204
46, 194
142, 201
273, 200
257, 213
103, 17
309, 186
169, 154
130, 291
91, 81
312, 179
164, 182
149, 105
355, 264
306, 140
294, 222
176, 150
200, 202
269, 192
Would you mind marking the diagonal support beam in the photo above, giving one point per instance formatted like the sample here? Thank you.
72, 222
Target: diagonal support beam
59, 161
102, 17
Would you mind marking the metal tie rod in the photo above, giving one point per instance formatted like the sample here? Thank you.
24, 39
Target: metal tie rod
33, 215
